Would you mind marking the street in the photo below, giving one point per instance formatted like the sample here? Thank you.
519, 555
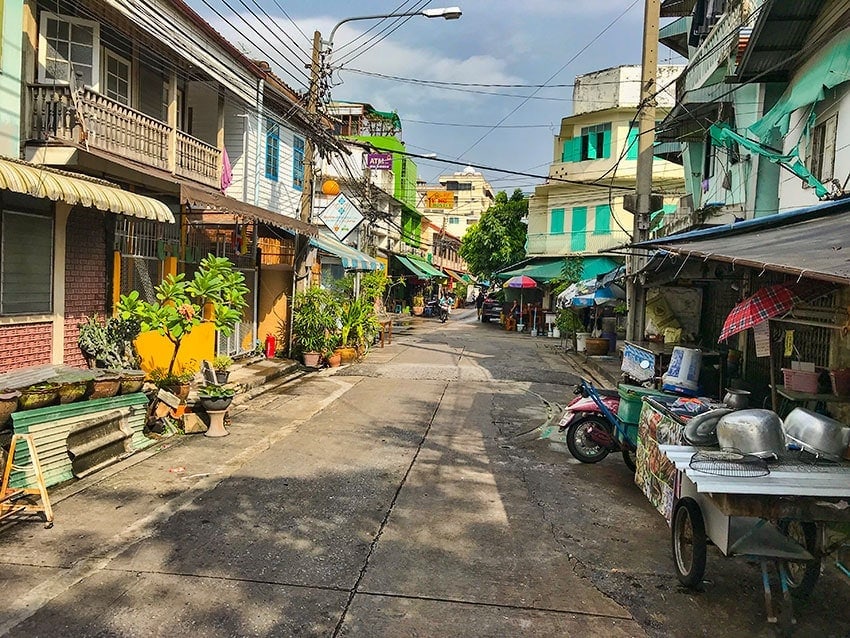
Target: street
405, 495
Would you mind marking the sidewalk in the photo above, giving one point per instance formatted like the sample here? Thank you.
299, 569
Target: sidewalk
604, 370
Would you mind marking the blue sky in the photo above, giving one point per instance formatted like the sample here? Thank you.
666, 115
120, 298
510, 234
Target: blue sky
528, 42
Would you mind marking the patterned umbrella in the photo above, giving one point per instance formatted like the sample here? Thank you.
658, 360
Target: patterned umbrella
520, 281
758, 308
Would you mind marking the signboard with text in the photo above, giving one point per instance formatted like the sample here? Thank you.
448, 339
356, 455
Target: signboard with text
379, 161
440, 199
341, 216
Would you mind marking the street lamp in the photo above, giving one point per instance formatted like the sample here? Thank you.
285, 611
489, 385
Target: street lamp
447, 13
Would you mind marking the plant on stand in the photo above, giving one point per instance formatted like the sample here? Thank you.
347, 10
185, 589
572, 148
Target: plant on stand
180, 304
568, 324
221, 364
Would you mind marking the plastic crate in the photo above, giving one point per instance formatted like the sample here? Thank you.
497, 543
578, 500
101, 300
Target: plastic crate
840, 381
801, 380
631, 401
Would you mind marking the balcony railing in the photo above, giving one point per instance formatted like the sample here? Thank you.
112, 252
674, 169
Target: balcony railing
582, 243
86, 117
716, 49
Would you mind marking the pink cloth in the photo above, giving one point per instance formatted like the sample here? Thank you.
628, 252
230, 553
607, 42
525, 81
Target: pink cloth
226, 170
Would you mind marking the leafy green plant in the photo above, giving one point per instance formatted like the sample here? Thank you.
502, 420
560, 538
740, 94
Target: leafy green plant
622, 308
162, 378
222, 362
568, 321
110, 343
315, 316
215, 391
180, 303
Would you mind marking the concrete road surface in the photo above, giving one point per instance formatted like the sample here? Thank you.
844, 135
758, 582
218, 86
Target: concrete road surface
406, 495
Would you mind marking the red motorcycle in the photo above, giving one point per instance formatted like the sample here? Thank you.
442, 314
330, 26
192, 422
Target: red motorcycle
593, 429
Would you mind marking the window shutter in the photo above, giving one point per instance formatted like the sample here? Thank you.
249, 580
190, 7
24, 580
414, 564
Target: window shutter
602, 220
606, 143
578, 240
592, 146
556, 222
26, 266
632, 143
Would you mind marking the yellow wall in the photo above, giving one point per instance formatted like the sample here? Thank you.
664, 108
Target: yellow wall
155, 350
273, 305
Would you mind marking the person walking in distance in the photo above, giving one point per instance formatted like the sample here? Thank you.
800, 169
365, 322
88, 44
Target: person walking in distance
479, 303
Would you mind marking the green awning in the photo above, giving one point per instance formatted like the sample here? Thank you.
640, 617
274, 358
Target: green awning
544, 270
416, 271
426, 267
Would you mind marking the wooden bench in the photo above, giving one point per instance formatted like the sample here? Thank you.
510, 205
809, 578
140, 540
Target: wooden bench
386, 321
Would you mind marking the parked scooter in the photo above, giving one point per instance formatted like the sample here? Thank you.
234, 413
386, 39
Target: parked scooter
593, 428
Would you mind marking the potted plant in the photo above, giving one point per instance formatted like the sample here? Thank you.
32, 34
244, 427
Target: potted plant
418, 305
215, 397
221, 365
333, 354
8, 404
315, 314
109, 343
180, 306
568, 323
38, 395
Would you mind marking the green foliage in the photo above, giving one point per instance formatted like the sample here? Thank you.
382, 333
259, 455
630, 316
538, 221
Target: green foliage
498, 239
222, 362
315, 316
568, 321
163, 378
215, 391
571, 271
110, 342
180, 303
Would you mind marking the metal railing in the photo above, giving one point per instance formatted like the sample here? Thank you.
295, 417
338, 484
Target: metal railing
578, 243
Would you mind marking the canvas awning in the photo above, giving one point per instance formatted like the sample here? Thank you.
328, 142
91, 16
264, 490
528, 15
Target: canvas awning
201, 198
351, 258
420, 268
543, 270
38, 181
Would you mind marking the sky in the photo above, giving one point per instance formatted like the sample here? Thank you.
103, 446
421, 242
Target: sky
495, 42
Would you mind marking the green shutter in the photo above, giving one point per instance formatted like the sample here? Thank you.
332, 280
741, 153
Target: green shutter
606, 143
556, 222
592, 150
602, 220
572, 150
578, 237
632, 143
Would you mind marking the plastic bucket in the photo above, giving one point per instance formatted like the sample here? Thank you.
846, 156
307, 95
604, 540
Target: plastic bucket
581, 341
683, 372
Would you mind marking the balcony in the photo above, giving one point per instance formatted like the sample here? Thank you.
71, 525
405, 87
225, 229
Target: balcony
84, 117
558, 245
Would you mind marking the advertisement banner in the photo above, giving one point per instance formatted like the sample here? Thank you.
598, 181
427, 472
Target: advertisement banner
440, 199
379, 161
341, 216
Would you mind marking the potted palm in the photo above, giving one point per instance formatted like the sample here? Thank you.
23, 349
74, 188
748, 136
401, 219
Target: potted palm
315, 314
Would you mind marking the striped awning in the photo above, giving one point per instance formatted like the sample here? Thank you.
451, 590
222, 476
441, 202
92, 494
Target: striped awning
351, 258
38, 181
420, 268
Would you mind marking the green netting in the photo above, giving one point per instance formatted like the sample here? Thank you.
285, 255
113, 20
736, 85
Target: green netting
722, 135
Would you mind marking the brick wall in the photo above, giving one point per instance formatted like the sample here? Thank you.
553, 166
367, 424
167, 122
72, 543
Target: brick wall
86, 276
24, 345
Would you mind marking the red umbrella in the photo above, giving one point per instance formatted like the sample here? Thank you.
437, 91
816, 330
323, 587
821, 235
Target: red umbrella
520, 281
768, 302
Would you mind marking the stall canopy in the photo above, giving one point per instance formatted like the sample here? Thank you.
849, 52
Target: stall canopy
543, 270
807, 242
351, 258
420, 268
37, 181
590, 292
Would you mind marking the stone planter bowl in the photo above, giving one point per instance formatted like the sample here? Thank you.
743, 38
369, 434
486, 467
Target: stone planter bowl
131, 381
214, 404
72, 391
38, 396
105, 386
8, 404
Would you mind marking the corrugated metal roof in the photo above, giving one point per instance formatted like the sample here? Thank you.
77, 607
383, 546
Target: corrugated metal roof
677, 8
779, 34
786, 478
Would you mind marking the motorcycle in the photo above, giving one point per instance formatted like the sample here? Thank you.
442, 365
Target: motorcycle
433, 308
443, 312
593, 429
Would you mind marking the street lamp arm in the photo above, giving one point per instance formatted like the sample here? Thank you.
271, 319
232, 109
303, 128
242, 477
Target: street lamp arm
448, 13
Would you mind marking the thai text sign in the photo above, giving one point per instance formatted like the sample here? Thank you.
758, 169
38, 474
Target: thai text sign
379, 161
341, 216
439, 199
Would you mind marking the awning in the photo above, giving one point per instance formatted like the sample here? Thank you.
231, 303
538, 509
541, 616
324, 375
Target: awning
420, 267
805, 243
201, 198
543, 270
454, 275
37, 181
404, 261
352, 259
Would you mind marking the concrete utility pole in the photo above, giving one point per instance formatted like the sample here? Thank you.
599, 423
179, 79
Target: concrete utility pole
312, 109
643, 183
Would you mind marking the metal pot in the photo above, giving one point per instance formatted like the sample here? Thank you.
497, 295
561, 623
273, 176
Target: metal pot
736, 399
817, 434
757, 432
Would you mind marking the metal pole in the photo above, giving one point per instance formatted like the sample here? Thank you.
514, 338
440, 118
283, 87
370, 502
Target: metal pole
312, 109
643, 182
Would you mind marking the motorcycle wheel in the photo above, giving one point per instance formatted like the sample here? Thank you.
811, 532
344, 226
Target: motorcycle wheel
689, 542
580, 446
443, 317
629, 457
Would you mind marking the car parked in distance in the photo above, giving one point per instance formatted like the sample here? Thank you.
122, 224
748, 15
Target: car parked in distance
492, 308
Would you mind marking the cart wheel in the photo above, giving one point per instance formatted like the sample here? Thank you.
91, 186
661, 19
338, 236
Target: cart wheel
580, 445
802, 576
629, 456
689, 542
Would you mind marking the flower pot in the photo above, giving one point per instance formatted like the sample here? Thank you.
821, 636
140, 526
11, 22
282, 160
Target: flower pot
180, 390
348, 354
105, 386
131, 381
70, 392
221, 376
311, 359
597, 347
214, 404
38, 396
418, 310
8, 404
334, 359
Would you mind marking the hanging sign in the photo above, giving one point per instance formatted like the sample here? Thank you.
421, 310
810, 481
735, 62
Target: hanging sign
341, 216
379, 161
761, 336
789, 343
440, 199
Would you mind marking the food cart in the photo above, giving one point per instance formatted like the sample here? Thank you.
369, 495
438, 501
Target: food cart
772, 512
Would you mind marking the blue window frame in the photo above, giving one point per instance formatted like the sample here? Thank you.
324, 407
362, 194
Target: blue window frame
298, 163
556, 221
272, 150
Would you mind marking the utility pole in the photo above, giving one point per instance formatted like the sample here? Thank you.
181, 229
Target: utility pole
312, 110
643, 183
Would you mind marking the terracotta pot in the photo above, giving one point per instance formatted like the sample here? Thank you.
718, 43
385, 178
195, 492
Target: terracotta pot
348, 354
180, 390
8, 404
105, 386
418, 310
312, 359
334, 360
596, 347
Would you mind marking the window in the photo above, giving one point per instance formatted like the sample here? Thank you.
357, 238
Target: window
68, 50
578, 238
453, 185
593, 143
272, 150
298, 163
454, 220
708, 158
556, 221
26, 263
632, 142
822, 145
602, 220
116, 78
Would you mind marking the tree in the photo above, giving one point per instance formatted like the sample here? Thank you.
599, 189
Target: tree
498, 239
